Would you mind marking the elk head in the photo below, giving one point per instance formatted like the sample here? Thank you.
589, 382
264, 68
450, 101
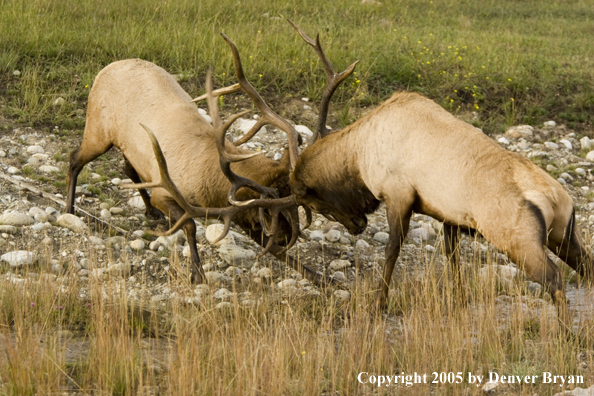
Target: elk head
341, 199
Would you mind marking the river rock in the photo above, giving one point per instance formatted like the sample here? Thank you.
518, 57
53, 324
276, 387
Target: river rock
16, 219
154, 245
578, 392
337, 265
177, 239
342, 295
233, 272
137, 245
305, 131
52, 211
237, 256
288, 286
264, 272
94, 240
549, 124
421, 233
505, 274
41, 217
381, 237
48, 169
116, 211
137, 202
9, 229
212, 233
339, 276
73, 223
332, 236
519, 131
119, 269
33, 161
361, 244
19, 258
580, 171
316, 235
216, 278
244, 125
489, 387
105, 214
566, 143
222, 294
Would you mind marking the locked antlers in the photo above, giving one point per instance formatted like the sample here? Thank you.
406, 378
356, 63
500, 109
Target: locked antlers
275, 206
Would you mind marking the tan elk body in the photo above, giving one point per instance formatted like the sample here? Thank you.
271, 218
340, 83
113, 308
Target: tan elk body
130, 92
415, 156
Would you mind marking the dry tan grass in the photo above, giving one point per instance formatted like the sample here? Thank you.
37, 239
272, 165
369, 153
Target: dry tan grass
283, 345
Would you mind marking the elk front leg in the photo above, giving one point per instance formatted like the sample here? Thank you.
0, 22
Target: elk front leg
87, 152
399, 221
451, 235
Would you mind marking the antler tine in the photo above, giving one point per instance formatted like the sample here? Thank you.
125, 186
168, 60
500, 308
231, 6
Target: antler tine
225, 158
268, 116
219, 92
334, 80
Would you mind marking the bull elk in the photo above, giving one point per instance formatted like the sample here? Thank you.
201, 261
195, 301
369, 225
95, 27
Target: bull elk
413, 155
191, 172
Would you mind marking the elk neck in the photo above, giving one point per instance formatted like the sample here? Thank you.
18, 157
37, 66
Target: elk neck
331, 166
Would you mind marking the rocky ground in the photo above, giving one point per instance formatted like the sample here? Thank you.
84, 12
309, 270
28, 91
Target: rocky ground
35, 224
38, 242
36, 235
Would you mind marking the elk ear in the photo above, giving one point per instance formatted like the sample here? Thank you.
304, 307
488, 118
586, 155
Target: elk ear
299, 188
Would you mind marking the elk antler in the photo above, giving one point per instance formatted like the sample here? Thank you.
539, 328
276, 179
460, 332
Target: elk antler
268, 116
287, 205
219, 92
334, 80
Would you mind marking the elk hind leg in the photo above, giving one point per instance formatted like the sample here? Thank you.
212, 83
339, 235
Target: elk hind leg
451, 235
151, 211
567, 243
541, 268
528, 250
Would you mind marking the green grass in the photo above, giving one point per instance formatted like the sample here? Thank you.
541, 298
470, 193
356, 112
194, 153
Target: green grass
466, 55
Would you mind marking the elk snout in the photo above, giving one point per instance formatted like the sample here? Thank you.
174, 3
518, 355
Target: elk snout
357, 225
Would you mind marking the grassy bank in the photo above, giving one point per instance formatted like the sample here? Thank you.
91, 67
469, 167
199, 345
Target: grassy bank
511, 62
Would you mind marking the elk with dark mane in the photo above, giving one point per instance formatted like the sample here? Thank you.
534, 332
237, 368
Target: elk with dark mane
414, 156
